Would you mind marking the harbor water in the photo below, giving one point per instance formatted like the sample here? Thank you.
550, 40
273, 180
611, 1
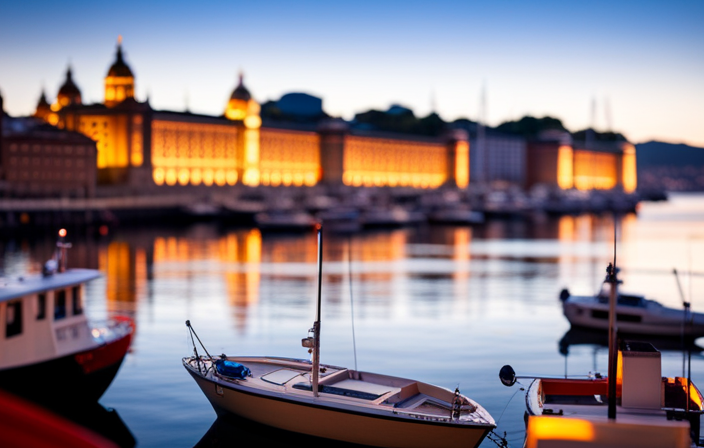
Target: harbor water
441, 304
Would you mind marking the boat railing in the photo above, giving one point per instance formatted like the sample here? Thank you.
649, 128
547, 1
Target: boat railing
203, 364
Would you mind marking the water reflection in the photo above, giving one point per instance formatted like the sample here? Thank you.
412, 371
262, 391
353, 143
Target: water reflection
465, 299
104, 421
577, 336
232, 430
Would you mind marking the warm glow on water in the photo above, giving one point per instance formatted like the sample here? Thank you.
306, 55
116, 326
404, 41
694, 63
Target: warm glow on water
446, 305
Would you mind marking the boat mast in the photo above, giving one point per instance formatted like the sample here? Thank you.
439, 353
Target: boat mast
316, 324
613, 350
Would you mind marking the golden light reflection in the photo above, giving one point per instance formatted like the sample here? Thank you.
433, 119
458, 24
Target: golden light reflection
566, 228
242, 287
462, 238
120, 273
381, 162
140, 272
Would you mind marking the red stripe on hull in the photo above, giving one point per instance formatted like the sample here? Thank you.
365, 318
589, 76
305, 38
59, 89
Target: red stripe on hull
103, 356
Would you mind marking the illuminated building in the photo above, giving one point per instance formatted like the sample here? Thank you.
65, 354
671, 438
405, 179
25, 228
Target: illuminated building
43, 108
69, 94
557, 161
145, 150
119, 82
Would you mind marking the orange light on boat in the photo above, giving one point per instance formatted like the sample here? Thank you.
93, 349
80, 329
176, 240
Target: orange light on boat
62, 233
553, 428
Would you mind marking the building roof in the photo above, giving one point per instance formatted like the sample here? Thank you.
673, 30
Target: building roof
35, 129
241, 92
43, 104
69, 88
119, 68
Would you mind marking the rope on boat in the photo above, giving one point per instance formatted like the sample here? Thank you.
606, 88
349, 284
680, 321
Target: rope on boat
195, 351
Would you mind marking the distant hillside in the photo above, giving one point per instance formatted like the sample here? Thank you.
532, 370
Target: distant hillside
670, 167
654, 154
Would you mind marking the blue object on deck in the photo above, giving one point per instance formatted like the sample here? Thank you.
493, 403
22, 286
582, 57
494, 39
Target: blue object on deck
232, 369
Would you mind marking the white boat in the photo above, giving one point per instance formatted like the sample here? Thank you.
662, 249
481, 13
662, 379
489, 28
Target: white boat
48, 350
632, 406
635, 315
335, 402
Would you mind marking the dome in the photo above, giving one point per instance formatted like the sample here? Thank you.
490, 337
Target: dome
69, 92
241, 92
69, 88
119, 68
43, 103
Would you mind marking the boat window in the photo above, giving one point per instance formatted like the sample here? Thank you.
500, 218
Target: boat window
41, 306
629, 300
76, 300
13, 318
60, 304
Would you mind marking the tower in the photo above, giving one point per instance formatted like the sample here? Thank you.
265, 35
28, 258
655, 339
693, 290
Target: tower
119, 82
43, 109
242, 107
69, 94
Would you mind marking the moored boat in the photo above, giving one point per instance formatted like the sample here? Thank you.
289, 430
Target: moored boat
335, 402
634, 405
635, 315
48, 349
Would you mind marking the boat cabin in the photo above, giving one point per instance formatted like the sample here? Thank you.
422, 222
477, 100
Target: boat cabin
42, 317
641, 391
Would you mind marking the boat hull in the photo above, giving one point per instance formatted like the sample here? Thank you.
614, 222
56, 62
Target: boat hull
344, 425
637, 321
82, 376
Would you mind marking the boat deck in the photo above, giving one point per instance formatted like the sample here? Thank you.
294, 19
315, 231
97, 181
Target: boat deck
340, 386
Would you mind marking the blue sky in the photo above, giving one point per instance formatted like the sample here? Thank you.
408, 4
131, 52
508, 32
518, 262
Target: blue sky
645, 59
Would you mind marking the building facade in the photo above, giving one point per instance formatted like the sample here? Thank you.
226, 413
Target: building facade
39, 160
556, 161
147, 149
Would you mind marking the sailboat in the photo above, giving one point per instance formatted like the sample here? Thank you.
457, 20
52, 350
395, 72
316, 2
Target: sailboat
334, 402
652, 410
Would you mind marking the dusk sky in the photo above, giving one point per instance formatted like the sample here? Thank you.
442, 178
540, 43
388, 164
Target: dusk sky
644, 59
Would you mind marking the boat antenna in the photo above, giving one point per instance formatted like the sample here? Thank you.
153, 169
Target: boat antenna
686, 306
349, 267
611, 277
316, 324
61, 253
